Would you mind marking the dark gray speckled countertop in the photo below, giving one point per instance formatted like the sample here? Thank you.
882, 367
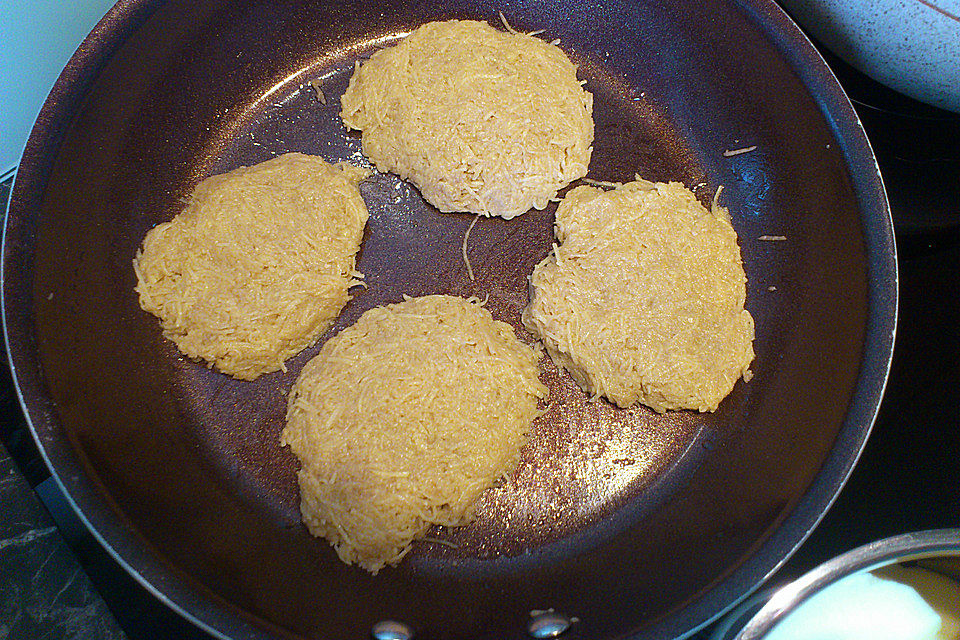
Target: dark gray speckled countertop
43, 591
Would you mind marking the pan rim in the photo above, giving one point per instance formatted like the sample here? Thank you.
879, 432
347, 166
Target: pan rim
880, 245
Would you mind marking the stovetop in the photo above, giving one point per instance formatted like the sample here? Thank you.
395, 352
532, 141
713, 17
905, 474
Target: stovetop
905, 480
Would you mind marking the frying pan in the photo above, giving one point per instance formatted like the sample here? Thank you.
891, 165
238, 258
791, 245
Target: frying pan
638, 525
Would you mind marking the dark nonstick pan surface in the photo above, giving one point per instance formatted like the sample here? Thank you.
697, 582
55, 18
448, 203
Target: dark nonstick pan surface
640, 525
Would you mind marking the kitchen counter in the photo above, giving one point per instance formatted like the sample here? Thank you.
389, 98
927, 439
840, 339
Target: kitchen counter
44, 592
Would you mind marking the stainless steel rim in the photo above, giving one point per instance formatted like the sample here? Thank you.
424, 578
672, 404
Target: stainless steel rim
902, 548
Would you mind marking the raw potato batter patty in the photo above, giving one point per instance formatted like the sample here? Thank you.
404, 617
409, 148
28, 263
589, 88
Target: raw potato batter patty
643, 300
480, 120
258, 264
403, 419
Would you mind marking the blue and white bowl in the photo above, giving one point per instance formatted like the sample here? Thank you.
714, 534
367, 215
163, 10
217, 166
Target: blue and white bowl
912, 46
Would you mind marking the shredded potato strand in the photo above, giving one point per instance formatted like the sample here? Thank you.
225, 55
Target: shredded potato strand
466, 236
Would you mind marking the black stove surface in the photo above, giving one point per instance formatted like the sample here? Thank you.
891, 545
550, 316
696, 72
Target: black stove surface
906, 478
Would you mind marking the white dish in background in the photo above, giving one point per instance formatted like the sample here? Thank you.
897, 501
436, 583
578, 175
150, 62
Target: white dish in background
38, 37
912, 46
